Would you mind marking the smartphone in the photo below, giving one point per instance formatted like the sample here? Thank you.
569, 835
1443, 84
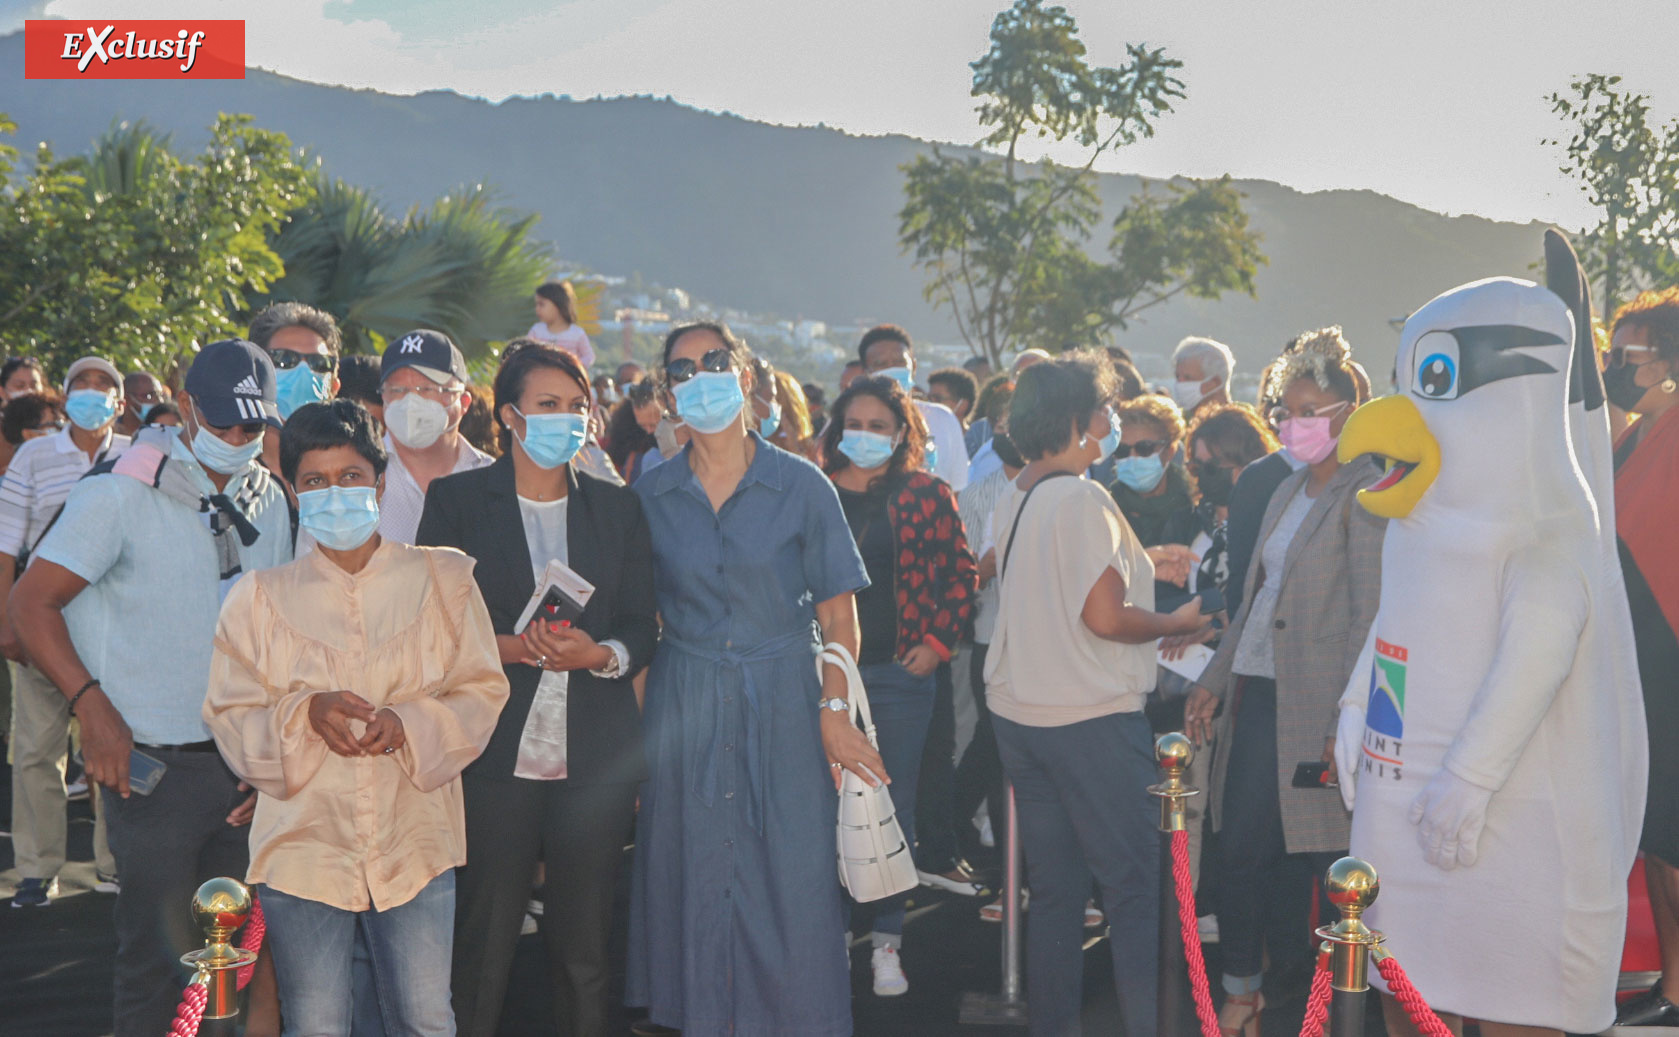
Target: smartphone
144, 772
1212, 600
1313, 775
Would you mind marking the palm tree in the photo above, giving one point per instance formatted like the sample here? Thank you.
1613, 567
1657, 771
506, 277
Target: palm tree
460, 265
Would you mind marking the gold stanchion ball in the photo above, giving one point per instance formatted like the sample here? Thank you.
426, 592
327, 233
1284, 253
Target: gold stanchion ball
1351, 884
1174, 750
221, 904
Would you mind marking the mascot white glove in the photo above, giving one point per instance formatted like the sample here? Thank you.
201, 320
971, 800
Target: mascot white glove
1449, 814
1349, 744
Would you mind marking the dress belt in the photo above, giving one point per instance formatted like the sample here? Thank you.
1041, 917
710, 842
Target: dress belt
206, 746
703, 777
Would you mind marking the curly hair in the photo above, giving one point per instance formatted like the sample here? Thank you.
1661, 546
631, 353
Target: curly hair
1155, 409
910, 455
1324, 356
1657, 313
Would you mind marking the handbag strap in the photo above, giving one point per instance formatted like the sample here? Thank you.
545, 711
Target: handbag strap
1008, 548
836, 654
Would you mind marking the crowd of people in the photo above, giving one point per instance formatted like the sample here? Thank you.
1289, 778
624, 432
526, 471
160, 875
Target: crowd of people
348, 702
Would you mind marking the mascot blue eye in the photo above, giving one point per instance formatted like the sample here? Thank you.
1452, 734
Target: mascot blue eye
1437, 377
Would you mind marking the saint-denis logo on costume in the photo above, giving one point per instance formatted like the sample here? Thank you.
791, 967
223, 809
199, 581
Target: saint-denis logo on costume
1384, 716
134, 49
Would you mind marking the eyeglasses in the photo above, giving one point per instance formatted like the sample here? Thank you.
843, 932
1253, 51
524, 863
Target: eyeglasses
715, 361
440, 393
1280, 414
1625, 354
1142, 447
286, 359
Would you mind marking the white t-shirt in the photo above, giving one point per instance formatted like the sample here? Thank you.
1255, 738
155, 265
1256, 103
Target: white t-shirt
573, 340
946, 430
1045, 667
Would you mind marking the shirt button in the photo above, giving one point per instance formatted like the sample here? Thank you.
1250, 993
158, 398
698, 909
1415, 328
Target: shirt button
1281, 624
728, 795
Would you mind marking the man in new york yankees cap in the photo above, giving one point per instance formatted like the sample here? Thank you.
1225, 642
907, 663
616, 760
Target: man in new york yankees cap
422, 380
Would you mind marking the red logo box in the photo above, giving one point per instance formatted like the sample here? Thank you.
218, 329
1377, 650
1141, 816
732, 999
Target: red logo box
133, 49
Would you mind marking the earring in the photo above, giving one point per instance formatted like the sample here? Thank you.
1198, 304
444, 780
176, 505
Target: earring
1669, 386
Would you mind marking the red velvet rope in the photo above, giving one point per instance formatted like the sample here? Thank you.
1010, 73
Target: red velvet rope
1317, 1005
190, 1012
1399, 985
1192, 936
255, 928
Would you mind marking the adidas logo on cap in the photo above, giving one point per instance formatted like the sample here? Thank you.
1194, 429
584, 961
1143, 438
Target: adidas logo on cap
248, 385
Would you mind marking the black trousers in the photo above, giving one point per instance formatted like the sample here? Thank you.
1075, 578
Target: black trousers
935, 836
165, 844
979, 777
580, 832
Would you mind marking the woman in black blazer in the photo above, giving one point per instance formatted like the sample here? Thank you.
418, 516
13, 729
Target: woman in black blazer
536, 792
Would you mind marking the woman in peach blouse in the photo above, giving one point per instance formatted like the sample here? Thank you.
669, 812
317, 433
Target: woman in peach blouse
350, 687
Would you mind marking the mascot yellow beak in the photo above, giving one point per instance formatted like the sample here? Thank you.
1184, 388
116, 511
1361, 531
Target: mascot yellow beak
1393, 429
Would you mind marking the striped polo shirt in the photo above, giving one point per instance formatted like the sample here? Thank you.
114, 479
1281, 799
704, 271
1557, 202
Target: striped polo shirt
37, 482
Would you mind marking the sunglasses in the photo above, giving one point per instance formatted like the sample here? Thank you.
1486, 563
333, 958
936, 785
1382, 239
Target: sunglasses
286, 359
1142, 448
715, 361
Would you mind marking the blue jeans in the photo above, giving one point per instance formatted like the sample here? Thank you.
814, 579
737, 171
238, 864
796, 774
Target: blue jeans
409, 948
1081, 793
902, 705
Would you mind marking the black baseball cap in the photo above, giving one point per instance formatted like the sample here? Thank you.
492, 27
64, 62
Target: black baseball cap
429, 352
232, 383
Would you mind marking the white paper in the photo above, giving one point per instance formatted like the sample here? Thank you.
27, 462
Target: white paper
1195, 659
558, 574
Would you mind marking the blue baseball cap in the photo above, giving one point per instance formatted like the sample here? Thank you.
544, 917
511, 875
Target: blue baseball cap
232, 383
432, 353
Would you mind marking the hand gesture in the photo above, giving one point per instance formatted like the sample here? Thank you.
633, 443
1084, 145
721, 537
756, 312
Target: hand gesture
1198, 715
330, 713
106, 741
849, 749
247, 808
920, 661
1173, 563
385, 735
1449, 814
561, 646
1189, 622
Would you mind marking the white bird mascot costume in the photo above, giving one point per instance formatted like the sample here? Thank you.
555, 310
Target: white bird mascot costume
1494, 729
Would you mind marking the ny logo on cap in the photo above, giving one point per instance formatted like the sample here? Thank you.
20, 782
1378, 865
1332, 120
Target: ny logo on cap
412, 344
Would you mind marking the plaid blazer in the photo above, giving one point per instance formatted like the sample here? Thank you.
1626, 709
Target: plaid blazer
1332, 582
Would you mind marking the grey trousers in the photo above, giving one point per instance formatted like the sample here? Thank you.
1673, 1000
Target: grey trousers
41, 726
165, 845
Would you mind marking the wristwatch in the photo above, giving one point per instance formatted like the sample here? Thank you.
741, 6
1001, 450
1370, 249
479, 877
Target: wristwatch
834, 705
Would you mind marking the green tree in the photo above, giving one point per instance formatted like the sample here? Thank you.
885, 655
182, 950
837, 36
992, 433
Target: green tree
137, 253
1005, 243
460, 265
1628, 167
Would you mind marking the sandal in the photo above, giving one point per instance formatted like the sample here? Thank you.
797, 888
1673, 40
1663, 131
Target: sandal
1240, 1015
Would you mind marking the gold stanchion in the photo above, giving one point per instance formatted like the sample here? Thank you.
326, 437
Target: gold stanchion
220, 907
1173, 752
1352, 886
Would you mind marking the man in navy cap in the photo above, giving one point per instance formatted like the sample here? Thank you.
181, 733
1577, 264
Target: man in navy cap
422, 379
181, 518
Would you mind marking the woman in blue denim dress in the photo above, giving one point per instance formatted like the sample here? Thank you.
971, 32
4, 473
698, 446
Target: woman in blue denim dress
736, 921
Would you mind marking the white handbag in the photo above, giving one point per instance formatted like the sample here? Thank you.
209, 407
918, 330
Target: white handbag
874, 859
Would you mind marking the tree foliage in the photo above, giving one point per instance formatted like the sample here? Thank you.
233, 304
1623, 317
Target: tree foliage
1628, 167
460, 265
136, 253
1006, 244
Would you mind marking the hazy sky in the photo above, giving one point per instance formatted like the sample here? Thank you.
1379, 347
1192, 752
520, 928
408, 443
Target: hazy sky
1438, 102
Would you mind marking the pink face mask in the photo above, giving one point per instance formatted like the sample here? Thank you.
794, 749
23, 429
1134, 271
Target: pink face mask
1309, 439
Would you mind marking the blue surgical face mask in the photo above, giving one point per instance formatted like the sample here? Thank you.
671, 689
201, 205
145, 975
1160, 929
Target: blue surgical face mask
867, 449
217, 454
710, 401
299, 385
904, 376
551, 440
339, 517
767, 426
1140, 473
91, 409
1108, 443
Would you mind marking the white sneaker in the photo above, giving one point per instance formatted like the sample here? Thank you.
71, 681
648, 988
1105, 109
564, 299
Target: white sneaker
889, 978
1207, 926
